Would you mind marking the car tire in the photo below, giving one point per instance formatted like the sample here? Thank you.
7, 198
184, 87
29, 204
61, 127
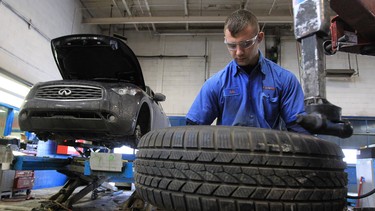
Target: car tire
239, 168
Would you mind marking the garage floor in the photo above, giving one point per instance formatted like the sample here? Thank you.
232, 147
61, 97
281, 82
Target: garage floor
105, 202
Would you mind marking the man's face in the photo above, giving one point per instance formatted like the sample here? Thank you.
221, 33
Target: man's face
244, 47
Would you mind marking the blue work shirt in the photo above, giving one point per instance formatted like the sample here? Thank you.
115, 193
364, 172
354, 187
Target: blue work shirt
265, 98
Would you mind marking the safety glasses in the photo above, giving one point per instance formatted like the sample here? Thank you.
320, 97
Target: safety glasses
243, 44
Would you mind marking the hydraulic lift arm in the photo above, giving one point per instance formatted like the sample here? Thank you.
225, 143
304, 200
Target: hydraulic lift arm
312, 27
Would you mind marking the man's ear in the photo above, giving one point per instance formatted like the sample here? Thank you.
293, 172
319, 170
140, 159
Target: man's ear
260, 37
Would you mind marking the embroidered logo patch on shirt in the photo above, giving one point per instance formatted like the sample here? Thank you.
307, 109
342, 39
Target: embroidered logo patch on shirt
268, 88
231, 91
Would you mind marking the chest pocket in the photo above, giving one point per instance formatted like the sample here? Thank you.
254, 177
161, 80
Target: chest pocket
232, 98
231, 92
271, 106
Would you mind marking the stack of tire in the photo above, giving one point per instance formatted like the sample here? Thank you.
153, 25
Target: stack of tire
239, 168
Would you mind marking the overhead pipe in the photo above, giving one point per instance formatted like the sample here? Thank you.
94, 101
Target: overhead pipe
186, 13
129, 13
27, 21
273, 5
149, 14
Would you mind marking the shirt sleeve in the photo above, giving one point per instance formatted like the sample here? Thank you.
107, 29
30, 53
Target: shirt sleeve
205, 108
294, 127
292, 99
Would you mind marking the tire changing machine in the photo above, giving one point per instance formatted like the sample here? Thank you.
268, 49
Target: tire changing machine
91, 173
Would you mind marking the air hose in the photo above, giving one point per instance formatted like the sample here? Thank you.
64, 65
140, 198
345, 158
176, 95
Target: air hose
362, 196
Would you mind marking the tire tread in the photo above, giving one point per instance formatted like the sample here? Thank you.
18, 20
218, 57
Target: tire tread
238, 168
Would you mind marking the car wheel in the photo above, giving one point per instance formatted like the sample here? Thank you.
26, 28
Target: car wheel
138, 134
239, 168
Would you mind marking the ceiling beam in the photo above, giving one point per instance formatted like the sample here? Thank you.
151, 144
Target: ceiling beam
179, 19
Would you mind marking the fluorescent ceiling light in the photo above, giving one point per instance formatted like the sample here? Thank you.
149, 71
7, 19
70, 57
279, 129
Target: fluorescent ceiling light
124, 150
10, 99
13, 86
350, 156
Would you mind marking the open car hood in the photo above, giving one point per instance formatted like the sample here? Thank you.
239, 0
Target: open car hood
96, 57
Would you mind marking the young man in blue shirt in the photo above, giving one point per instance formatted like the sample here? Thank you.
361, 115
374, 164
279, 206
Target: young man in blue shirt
251, 90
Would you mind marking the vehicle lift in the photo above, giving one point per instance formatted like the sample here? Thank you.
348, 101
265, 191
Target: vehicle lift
311, 29
80, 173
326, 27
352, 30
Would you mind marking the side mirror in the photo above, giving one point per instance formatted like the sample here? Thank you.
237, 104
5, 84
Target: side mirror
159, 97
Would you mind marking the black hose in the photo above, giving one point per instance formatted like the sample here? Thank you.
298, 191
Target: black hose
362, 196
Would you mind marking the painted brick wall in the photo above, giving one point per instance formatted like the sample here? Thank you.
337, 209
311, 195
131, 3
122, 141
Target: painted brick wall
354, 94
26, 51
177, 67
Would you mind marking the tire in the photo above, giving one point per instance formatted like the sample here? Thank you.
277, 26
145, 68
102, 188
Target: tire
239, 168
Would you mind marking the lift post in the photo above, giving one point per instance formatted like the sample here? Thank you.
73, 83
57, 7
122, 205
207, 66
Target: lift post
311, 27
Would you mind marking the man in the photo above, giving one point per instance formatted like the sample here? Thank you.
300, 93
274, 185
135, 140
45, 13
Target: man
251, 90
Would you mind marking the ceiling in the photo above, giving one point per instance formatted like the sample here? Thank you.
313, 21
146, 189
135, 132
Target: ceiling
183, 16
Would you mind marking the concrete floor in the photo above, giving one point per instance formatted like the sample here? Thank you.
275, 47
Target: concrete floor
105, 202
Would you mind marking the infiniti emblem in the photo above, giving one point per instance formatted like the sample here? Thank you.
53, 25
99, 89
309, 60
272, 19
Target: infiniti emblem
65, 92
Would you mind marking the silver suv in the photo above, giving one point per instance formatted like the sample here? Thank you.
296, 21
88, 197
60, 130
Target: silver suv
102, 97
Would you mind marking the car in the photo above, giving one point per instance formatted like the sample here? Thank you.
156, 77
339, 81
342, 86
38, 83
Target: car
102, 97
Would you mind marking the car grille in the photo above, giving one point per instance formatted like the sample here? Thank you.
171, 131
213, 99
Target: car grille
69, 92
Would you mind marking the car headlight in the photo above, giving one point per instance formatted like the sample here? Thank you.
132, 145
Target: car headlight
125, 91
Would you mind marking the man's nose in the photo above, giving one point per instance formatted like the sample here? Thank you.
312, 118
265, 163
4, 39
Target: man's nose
239, 50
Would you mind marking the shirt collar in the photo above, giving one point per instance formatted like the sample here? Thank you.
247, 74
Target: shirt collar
236, 67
